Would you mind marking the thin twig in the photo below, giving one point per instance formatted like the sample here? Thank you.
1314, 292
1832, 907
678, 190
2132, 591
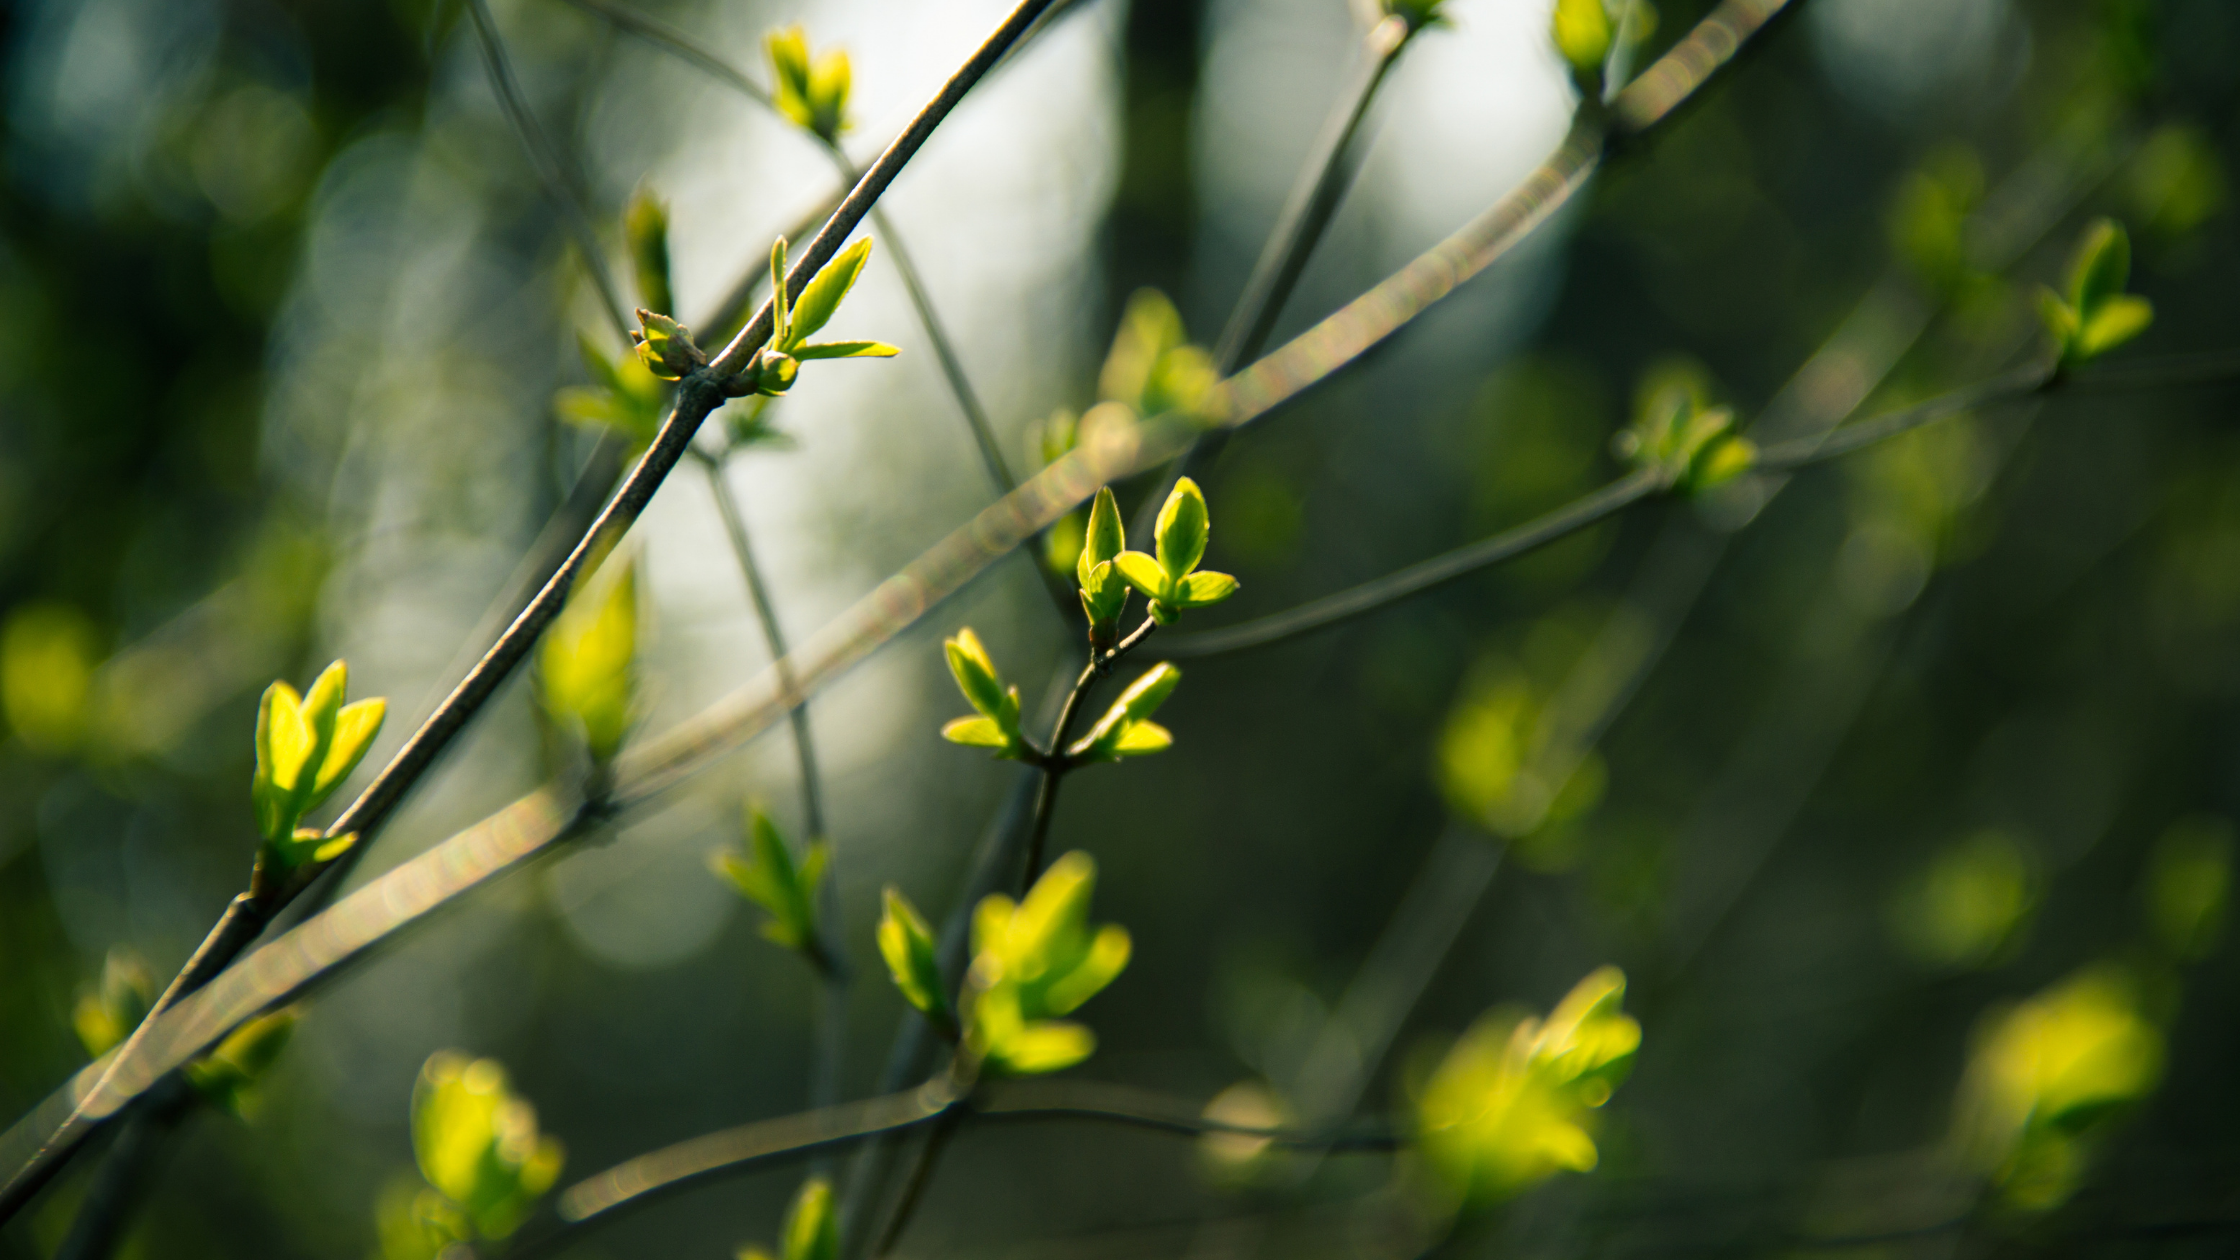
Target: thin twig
610, 1196
551, 165
1056, 763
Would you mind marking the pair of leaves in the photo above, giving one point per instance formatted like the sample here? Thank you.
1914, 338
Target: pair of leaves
811, 1230
997, 727
1690, 445
477, 1143
906, 943
797, 319
1511, 1104
2096, 315
1126, 729
768, 876
587, 664
1036, 959
811, 92
1168, 579
307, 744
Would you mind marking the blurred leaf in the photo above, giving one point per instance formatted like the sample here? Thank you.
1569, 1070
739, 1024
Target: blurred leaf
906, 942
228, 1075
768, 876
1967, 906
47, 657
645, 227
587, 664
812, 1229
477, 1143
2189, 885
1034, 959
107, 1012
813, 95
2045, 1078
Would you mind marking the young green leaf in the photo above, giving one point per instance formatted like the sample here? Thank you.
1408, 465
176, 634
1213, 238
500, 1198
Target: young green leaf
1181, 532
1145, 575
975, 732
907, 944
587, 664
812, 1229
1106, 537
1109, 738
845, 350
2101, 267
821, 297
306, 745
813, 95
1202, 589
768, 876
997, 726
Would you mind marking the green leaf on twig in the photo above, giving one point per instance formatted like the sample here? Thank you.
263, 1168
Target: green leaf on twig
1180, 538
795, 320
477, 1144
1035, 959
997, 727
306, 746
1126, 730
2096, 315
767, 875
1690, 445
906, 942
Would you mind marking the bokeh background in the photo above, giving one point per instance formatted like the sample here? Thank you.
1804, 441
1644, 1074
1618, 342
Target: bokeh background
283, 308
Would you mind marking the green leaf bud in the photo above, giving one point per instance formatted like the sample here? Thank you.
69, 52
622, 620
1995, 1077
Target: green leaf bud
666, 347
768, 876
1581, 29
812, 1229
907, 944
1180, 535
821, 297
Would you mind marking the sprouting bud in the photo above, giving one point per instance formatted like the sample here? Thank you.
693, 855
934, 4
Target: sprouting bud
587, 664
1582, 33
477, 1143
1168, 579
666, 347
1104, 593
997, 727
1687, 444
1035, 959
306, 746
906, 943
2096, 315
767, 875
812, 94
1126, 729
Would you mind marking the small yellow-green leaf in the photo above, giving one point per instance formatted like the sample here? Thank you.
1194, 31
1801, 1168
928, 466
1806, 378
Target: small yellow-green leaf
1142, 739
812, 1232
2101, 267
906, 943
1143, 573
1201, 589
1149, 328
2118, 320
845, 350
1581, 29
354, 730
977, 678
775, 373
1180, 535
1107, 958
1044, 1046
976, 732
821, 297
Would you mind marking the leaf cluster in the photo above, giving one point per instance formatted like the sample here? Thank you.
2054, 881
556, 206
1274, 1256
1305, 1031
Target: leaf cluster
1513, 1102
1034, 960
2094, 315
1687, 444
767, 874
478, 1149
1169, 579
811, 92
307, 744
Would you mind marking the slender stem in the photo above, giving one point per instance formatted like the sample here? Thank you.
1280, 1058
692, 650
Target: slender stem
827, 951
551, 165
915, 1182
1056, 762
